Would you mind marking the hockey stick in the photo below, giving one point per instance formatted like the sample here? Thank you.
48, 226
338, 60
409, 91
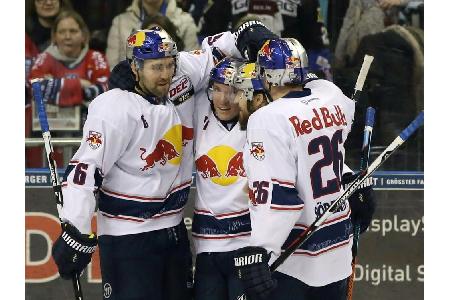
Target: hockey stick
36, 86
365, 153
305, 235
362, 77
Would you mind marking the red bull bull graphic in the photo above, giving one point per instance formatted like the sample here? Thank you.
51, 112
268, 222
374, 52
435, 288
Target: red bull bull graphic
187, 134
94, 139
169, 149
222, 164
206, 167
236, 166
266, 50
136, 39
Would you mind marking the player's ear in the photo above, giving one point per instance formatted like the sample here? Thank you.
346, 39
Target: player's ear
258, 100
134, 69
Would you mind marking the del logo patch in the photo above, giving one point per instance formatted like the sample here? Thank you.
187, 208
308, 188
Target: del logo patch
257, 150
94, 139
181, 90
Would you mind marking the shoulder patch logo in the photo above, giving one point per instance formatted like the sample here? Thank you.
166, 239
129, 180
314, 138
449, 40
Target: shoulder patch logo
258, 150
94, 139
181, 90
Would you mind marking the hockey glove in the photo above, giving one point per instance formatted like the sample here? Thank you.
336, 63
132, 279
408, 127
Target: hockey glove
252, 264
50, 90
72, 251
250, 37
90, 92
362, 201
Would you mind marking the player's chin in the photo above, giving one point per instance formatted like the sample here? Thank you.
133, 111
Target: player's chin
161, 90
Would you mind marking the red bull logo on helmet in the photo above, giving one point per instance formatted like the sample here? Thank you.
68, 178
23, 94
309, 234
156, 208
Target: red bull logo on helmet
222, 164
266, 50
136, 39
168, 149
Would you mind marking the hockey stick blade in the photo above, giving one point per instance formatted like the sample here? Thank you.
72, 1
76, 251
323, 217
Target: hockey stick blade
362, 77
304, 236
40, 106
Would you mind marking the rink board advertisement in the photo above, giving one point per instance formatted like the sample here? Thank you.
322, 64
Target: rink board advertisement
390, 263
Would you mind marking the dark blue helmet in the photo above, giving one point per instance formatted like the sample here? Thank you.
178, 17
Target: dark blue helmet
283, 61
150, 44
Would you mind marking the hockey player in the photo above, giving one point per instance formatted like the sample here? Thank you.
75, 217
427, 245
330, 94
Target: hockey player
221, 217
134, 144
294, 159
143, 151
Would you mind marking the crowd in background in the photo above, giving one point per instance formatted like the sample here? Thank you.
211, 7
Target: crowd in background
73, 47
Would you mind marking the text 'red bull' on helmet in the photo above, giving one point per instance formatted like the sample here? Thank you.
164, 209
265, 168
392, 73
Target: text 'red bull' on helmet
248, 80
150, 44
223, 73
283, 61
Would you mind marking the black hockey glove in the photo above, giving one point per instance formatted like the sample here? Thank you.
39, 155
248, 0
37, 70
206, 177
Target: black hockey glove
362, 201
250, 37
89, 93
72, 251
252, 265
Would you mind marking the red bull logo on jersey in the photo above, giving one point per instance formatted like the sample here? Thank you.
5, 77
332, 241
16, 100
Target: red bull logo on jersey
257, 150
187, 134
94, 139
222, 164
168, 149
323, 118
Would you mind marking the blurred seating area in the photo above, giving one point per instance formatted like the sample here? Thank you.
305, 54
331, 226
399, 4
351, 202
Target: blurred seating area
73, 45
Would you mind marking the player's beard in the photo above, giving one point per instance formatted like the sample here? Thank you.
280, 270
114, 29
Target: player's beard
244, 115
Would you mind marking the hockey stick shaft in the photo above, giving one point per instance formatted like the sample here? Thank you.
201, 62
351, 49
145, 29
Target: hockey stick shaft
364, 164
353, 186
40, 106
362, 77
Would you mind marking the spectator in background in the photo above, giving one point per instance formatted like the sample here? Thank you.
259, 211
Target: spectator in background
72, 72
296, 19
39, 18
33, 155
132, 19
363, 17
165, 23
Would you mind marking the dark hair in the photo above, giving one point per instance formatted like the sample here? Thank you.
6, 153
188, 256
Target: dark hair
74, 15
31, 14
165, 23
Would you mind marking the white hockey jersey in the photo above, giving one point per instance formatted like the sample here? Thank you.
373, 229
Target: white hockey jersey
142, 152
294, 157
221, 215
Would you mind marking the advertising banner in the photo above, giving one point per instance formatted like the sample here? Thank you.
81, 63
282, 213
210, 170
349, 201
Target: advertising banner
390, 264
